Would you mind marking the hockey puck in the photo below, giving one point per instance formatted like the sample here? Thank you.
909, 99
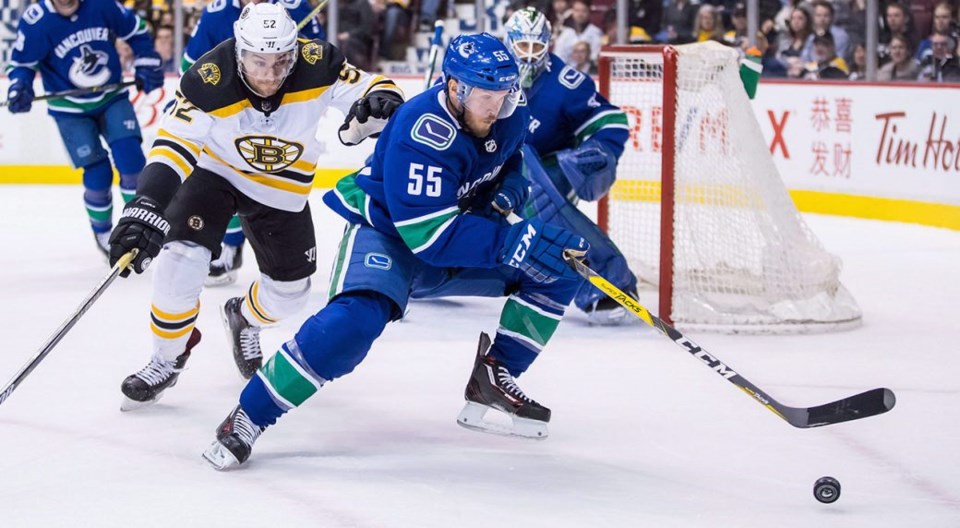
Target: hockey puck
826, 490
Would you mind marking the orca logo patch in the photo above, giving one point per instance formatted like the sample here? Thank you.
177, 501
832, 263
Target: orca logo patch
434, 132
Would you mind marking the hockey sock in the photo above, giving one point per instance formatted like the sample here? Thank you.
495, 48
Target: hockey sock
96, 195
268, 301
330, 344
234, 236
527, 323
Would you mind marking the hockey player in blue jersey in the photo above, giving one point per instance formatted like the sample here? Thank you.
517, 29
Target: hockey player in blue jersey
580, 136
71, 44
214, 27
423, 205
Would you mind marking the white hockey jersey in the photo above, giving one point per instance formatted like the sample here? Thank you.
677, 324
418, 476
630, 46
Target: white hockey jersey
266, 148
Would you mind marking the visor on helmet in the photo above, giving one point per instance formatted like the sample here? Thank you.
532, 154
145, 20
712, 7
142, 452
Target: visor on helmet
485, 103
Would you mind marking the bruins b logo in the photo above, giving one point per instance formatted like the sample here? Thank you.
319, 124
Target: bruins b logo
268, 154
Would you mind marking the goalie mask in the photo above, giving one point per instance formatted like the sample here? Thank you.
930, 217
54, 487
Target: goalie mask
266, 47
528, 38
486, 75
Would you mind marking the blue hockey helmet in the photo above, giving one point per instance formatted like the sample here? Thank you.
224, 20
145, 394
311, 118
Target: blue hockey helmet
481, 63
528, 38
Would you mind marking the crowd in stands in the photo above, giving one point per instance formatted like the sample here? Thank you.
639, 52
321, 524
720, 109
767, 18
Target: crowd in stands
798, 39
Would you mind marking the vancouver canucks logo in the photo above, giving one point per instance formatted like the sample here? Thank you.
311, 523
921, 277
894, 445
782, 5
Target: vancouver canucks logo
210, 73
268, 154
90, 68
312, 52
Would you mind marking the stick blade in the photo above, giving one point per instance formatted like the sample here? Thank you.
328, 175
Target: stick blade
863, 405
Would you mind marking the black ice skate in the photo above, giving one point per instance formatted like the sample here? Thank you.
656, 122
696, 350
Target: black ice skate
235, 438
145, 387
492, 387
223, 271
243, 337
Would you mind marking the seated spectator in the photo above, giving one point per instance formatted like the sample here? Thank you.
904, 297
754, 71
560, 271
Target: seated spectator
823, 15
858, 71
896, 21
828, 65
942, 65
644, 20
678, 20
395, 23
738, 23
558, 14
902, 65
797, 38
580, 59
943, 24
851, 15
579, 28
355, 37
163, 44
707, 25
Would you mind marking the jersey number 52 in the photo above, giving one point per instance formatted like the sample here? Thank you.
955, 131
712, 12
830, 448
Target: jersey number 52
416, 187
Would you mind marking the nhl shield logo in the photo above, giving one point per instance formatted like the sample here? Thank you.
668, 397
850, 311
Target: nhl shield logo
490, 145
210, 73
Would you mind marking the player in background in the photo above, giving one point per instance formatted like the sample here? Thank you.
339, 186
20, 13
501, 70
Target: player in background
423, 206
214, 27
580, 136
71, 44
244, 130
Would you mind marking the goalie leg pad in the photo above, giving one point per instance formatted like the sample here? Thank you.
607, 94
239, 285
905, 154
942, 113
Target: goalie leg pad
177, 282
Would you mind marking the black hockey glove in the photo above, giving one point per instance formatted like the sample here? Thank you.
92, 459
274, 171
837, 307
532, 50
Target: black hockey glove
141, 226
368, 116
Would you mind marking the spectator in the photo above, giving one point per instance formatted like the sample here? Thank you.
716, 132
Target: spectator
429, 13
738, 20
707, 25
859, 70
828, 65
580, 58
794, 42
851, 15
644, 20
823, 16
943, 24
678, 19
395, 21
558, 14
579, 28
895, 22
942, 65
163, 44
902, 65
355, 37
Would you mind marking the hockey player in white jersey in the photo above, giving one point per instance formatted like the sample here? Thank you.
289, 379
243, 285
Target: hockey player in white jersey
244, 130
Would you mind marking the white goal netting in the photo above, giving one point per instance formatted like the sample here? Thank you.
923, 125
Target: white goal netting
743, 259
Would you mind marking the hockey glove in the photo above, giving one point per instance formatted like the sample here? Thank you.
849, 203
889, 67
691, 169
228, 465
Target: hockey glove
20, 96
590, 168
537, 248
368, 116
512, 194
147, 74
141, 226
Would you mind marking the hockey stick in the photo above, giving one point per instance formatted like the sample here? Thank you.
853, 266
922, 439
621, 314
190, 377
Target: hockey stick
121, 264
316, 10
434, 51
863, 405
79, 91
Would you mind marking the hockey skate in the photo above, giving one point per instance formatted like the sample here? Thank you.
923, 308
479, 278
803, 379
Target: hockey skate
223, 271
243, 337
147, 386
492, 387
103, 243
235, 439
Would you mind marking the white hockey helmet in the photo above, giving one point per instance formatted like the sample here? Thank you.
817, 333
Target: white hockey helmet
528, 38
266, 42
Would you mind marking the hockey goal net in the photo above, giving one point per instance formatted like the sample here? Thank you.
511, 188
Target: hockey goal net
699, 208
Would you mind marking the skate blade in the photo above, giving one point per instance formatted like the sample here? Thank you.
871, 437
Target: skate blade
128, 405
472, 417
220, 457
226, 279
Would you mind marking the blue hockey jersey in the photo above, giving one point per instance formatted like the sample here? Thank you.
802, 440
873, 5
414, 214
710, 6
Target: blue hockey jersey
216, 25
428, 179
77, 52
566, 110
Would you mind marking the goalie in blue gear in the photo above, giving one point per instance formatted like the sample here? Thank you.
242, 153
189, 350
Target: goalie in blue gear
579, 136
422, 207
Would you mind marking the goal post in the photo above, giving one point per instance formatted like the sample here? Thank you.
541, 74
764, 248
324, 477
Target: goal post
699, 208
